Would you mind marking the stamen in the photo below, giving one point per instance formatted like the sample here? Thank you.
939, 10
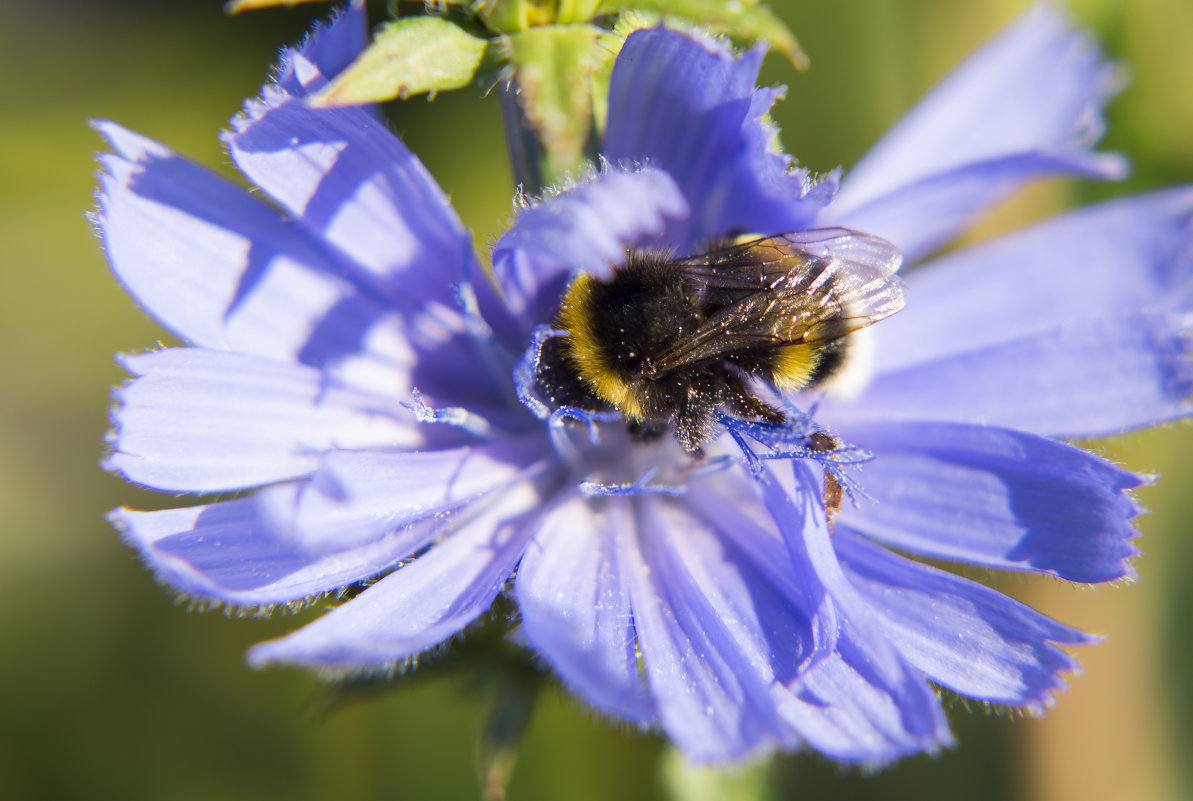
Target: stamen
799, 437
453, 416
526, 372
639, 487
557, 429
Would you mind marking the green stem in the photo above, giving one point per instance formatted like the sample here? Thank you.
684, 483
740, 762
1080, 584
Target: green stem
526, 152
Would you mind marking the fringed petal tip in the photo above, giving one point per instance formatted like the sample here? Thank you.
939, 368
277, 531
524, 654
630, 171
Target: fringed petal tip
1048, 694
990, 127
110, 459
228, 553
117, 168
111, 169
588, 225
688, 105
996, 497
961, 635
188, 586
821, 189
127, 145
423, 602
326, 50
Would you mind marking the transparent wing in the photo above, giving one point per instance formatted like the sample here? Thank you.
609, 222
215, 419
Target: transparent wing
804, 287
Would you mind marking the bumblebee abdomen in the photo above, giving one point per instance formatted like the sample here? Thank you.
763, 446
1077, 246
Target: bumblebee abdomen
795, 366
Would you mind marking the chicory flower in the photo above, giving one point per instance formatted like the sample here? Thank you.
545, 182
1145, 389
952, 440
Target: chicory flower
349, 364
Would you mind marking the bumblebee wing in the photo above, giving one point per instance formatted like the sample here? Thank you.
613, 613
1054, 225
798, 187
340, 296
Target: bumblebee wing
805, 287
753, 264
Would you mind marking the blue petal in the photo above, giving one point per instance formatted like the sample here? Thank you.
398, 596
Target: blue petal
225, 552
422, 603
223, 270
1128, 255
586, 227
851, 696
355, 186
357, 496
700, 639
328, 48
573, 595
1073, 327
1085, 379
993, 124
995, 497
961, 635
210, 421
684, 103
930, 212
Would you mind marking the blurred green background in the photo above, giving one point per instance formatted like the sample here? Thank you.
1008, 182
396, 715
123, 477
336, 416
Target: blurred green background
109, 690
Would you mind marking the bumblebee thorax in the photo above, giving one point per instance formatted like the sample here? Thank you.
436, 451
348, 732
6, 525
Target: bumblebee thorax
614, 325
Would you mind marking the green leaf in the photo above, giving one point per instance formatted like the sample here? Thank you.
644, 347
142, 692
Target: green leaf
237, 6
510, 16
513, 16
407, 57
575, 11
741, 19
684, 781
553, 70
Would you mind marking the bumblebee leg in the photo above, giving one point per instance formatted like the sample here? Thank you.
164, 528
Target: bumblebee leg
822, 442
834, 493
693, 430
694, 422
744, 404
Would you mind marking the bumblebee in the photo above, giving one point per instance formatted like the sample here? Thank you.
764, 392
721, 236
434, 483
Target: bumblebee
668, 342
